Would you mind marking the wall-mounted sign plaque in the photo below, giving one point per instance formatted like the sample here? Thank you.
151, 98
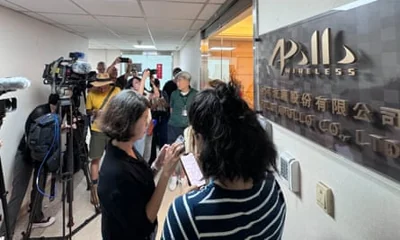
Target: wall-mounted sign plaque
335, 79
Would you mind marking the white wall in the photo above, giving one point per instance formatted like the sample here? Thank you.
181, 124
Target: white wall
366, 204
102, 55
26, 45
190, 59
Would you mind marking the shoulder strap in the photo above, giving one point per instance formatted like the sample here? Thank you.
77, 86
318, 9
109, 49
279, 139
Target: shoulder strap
108, 97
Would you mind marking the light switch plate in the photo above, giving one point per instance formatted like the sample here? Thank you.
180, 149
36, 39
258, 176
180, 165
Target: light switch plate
324, 198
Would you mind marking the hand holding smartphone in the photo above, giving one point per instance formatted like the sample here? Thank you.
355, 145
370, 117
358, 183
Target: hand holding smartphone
124, 60
192, 170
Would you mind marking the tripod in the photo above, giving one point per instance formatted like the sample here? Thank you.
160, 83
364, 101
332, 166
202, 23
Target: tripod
75, 139
3, 191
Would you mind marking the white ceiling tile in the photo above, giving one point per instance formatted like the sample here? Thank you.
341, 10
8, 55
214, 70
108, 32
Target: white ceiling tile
123, 22
83, 29
129, 31
100, 35
208, 11
65, 27
39, 17
128, 8
171, 10
12, 6
198, 24
84, 20
49, 6
169, 24
217, 1
134, 39
161, 33
191, 33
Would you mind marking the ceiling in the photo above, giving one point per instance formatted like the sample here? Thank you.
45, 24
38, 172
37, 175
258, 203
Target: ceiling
241, 29
120, 24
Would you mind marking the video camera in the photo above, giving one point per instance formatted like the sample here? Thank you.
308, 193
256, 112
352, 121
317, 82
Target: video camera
68, 72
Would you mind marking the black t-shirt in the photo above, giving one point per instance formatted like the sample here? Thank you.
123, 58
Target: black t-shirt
125, 187
39, 111
121, 82
169, 88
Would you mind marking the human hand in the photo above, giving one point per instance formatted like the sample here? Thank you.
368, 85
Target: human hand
97, 113
146, 74
158, 163
171, 158
117, 60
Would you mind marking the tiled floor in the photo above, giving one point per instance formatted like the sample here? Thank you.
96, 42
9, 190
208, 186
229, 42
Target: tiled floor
82, 210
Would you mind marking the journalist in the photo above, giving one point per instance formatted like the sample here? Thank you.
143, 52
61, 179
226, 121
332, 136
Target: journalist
243, 200
98, 99
129, 199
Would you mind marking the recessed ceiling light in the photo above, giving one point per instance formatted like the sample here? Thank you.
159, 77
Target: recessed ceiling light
222, 48
144, 46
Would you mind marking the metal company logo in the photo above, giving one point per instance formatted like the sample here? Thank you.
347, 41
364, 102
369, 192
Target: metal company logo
285, 54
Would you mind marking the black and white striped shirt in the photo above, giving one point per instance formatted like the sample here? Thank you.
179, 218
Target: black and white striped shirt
217, 213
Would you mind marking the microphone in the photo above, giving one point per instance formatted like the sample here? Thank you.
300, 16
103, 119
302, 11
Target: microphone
77, 55
81, 67
13, 83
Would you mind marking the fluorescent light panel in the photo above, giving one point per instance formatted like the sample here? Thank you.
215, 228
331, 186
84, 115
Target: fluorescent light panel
354, 4
222, 48
144, 46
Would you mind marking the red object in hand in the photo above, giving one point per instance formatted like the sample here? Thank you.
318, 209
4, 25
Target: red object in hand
151, 127
159, 71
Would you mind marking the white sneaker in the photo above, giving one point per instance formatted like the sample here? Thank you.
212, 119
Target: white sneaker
173, 183
183, 181
2, 238
45, 223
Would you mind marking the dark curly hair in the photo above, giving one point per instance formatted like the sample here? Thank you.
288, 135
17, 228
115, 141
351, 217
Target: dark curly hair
122, 113
235, 145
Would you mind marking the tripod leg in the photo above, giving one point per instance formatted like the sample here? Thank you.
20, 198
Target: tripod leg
3, 197
35, 200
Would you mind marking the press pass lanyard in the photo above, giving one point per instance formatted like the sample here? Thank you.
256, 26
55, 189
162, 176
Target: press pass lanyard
184, 100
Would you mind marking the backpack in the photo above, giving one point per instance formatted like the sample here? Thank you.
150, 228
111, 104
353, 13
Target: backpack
43, 140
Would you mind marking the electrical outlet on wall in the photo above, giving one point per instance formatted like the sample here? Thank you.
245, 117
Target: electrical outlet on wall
324, 198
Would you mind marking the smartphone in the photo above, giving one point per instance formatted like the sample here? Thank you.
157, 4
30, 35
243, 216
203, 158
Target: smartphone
180, 139
124, 60
192, 170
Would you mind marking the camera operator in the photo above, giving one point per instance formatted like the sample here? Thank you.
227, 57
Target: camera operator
23, 168
120, 81
97, 99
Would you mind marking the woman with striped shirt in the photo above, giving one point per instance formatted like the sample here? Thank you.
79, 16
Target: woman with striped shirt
243, 199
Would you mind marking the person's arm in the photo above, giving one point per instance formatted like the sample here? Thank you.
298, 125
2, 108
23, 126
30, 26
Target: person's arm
171, 160
116, 61
146, 74
128, 69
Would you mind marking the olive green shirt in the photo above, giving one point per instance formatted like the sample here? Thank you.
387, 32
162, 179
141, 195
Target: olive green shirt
178, 104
